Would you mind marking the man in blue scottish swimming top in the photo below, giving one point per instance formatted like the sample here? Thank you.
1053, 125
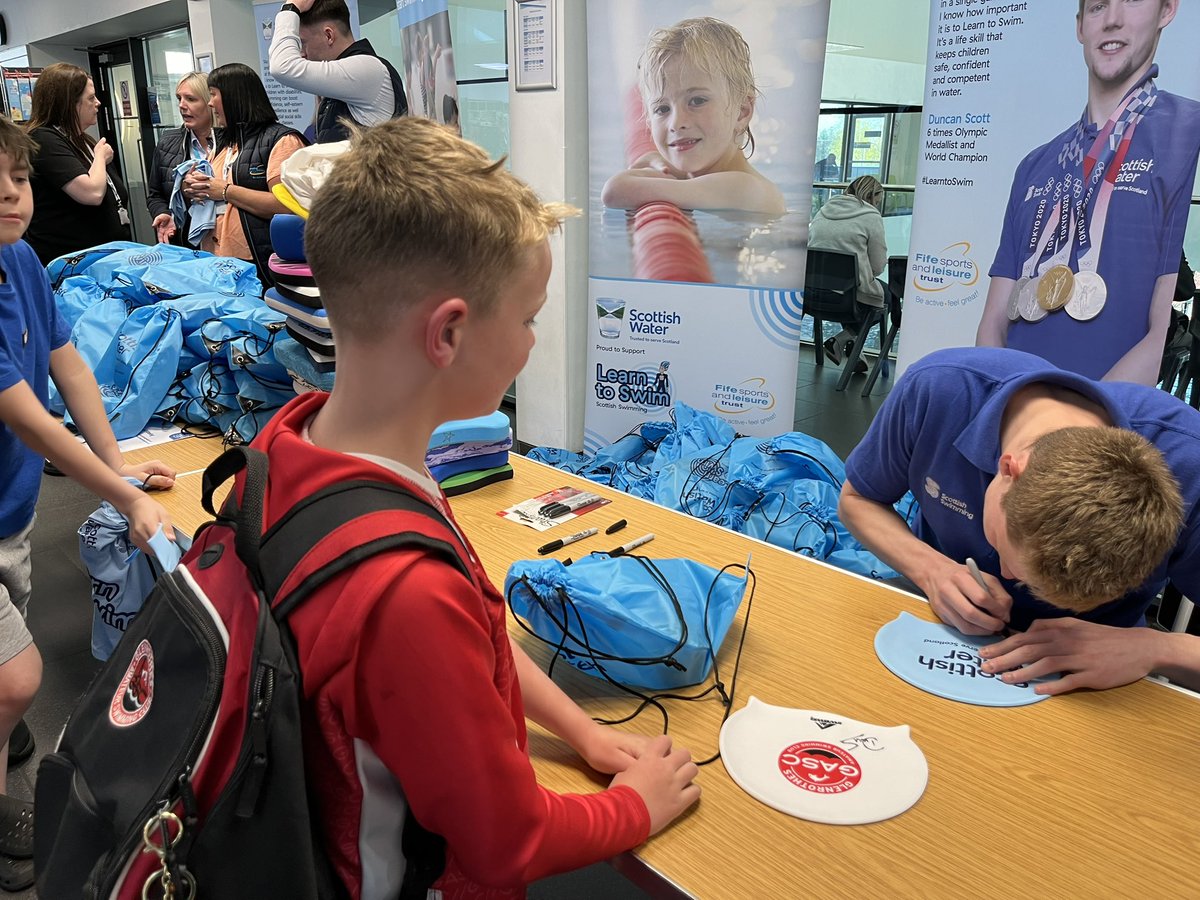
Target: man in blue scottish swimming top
1077, 499
1090, 298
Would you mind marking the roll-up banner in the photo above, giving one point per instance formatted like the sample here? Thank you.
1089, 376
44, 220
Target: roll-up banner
1056, 171
428, 60
702, 126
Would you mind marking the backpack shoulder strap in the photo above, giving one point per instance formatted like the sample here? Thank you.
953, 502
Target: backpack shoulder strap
316, 518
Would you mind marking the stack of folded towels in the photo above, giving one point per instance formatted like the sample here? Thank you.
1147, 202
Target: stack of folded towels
469, 453
307, 351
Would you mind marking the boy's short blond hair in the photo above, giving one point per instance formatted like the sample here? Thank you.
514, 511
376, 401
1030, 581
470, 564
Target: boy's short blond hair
16, 144
413, 210
712, 45
1095, 511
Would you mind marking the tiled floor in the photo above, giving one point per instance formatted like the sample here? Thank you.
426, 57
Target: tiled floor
60, 612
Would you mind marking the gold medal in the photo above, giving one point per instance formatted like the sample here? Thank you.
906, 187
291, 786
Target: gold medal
1055, 288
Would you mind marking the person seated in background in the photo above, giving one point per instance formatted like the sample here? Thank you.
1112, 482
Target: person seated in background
313, 50
195, 139
432, 282
851, 222
251, 148
1077, 499
78, 197
35, 346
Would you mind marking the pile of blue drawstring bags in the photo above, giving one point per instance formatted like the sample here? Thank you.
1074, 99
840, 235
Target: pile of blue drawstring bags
783, 490
175, 334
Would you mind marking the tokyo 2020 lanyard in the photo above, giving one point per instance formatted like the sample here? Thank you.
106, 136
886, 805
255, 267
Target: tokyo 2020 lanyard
1101, 166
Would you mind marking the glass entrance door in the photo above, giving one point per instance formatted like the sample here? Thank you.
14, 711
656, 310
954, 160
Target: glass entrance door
124, 110
168, 57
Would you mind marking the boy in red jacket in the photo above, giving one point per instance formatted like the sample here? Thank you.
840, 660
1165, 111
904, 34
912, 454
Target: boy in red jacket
433, 263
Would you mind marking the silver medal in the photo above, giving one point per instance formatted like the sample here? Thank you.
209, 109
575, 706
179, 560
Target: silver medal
1088, 297
1014, 304
1027, 303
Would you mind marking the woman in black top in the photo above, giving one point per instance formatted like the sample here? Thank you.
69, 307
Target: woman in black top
195, 140
78, 198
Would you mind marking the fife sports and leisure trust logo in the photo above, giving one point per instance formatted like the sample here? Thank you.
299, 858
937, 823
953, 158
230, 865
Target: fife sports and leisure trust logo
641, 387
820, 768
951, 267
748, 396
131, 700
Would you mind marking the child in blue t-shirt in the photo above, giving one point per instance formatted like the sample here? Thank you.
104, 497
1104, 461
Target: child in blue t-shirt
34, 345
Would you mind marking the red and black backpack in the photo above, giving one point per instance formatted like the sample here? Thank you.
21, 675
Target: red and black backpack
181, 770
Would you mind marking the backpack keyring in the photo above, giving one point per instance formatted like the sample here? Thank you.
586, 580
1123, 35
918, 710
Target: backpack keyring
161, 823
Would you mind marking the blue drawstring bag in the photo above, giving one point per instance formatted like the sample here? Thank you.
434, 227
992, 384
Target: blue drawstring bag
122, 576
76, 295
137, 369
628, 619
81, 261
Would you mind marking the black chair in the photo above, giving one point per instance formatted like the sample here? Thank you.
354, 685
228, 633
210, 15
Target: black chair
831, 295
897, 270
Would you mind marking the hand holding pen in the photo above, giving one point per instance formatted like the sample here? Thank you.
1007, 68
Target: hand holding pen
977, 575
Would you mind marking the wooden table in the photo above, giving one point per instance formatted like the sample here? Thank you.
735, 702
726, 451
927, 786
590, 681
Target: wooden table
1090, 794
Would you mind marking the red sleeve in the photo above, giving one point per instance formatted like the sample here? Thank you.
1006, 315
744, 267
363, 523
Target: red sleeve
427, 702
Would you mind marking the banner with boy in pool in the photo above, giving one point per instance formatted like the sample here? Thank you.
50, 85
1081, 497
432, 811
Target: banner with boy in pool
702, 152
1071, 250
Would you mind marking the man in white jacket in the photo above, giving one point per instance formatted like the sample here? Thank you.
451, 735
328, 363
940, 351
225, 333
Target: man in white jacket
313, 50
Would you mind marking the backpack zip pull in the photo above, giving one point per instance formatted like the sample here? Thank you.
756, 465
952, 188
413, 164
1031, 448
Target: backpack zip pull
257, 770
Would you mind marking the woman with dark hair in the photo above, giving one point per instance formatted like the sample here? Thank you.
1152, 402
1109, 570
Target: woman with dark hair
78, 198
195, 140
251, 148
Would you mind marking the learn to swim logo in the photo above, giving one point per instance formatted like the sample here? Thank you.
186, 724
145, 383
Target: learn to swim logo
132, 699
641, 387
932, 488
820, 768
750, 395
949, 267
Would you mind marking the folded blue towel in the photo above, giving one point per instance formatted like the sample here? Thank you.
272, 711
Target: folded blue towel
204, 212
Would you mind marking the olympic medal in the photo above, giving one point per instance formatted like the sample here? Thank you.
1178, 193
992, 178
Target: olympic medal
1055, 288
1014, 299
1027, 303
1088, 296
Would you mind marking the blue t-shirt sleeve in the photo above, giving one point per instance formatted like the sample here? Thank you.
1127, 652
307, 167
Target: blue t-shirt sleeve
878, 467
1007, 263
10, 371
33, 280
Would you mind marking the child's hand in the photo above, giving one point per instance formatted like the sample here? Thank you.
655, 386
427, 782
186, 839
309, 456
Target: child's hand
611, 750
145, 515
663, 777
153, 474
656, 162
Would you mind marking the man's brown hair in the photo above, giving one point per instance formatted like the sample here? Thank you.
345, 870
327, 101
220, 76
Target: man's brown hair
323, 11
412, 209
1094, 512
16, 144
